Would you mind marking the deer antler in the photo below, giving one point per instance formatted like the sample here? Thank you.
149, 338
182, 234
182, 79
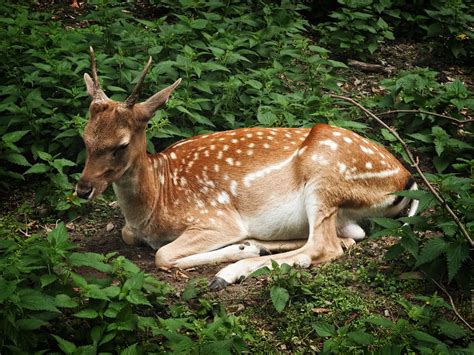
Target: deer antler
98, 92
132, 99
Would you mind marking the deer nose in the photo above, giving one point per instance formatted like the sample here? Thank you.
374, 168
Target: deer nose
84, 189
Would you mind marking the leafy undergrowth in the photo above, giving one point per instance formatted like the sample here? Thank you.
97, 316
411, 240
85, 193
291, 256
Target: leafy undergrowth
84, 302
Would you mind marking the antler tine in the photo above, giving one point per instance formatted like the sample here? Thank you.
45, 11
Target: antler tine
94, 69
132, 99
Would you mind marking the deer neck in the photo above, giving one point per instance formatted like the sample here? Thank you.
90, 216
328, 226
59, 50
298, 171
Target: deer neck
138, 190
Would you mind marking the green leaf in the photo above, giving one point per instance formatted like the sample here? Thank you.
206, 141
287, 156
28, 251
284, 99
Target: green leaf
131, 350
64, 301
384, 322
38, 168
199, 24
456, 253
59, 164
387, 135
324, 329
13, 137
44, 156
431, 250
280, 297
47, 279
386, 222
65, 345
36, 301
92, 260
255, 84
30, 323
360, 337
137, 297
59, 238
451, 329
419, 335
17, 159
87, 313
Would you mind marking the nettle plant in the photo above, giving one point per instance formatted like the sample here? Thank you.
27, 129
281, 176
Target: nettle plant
424, 329
55, 298
244, 65
358, 26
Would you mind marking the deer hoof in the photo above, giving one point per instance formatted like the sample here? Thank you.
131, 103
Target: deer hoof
264, 251
218, 283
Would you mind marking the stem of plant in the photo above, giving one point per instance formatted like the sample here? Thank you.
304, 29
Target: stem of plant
414, 164
449, 118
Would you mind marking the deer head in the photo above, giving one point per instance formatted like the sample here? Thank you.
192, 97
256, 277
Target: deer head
115, 134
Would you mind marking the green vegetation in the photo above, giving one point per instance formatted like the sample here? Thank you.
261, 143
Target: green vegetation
243, 64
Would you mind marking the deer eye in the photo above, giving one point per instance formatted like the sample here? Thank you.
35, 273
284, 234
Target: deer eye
119, 149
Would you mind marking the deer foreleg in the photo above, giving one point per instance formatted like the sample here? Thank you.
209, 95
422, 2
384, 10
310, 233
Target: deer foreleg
199, 247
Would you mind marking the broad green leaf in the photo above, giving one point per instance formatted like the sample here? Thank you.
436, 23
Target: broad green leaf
451, 329
47, 279
44, 156
65, 345
30, 323
386, 222
255, 84
64, 301
59, 238
360, 337
92, 260
384, 322
199, 24
456, 253
17, 159
137, 297
324, 329
431, 250
13, 137
87, 313
131, 350
36, 301
419, 335
38, 168
280, 297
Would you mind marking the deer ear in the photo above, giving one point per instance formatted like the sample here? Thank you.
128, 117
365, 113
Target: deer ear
149, 107
90, 85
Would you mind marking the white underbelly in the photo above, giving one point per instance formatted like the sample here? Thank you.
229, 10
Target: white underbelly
284, 220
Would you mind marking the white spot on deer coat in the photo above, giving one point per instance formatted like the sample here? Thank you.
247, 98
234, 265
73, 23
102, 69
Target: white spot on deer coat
342, 167
265, 171
229, 161
366, 150
233, 187
347, 140
331, 144
369, 175
223, 198
368, 165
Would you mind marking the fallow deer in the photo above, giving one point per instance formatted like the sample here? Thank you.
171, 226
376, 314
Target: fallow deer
236, 196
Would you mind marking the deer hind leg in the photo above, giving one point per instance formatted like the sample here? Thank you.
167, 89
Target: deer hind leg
322, 245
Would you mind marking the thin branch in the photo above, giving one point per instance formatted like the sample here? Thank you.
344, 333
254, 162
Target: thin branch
414, 164
455, 310
452, 119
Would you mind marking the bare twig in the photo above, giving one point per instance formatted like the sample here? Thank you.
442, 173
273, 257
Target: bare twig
452, 119
368, 67
453, 306
414, 164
